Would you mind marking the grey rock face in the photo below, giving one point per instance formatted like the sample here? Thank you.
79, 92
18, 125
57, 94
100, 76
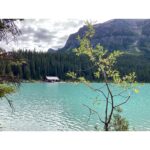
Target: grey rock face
120, 34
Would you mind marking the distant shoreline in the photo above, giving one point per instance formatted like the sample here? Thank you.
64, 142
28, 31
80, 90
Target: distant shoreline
67, 81
41, 81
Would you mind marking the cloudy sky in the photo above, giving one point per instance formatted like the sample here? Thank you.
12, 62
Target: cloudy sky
42, 34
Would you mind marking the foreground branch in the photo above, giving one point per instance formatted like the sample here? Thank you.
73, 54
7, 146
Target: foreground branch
123, 102
92, 110
10, 104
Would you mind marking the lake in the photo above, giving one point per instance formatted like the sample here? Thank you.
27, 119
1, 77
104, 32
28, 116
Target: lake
59, 107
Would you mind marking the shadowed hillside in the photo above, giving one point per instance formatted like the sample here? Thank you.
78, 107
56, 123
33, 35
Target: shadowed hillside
123, 34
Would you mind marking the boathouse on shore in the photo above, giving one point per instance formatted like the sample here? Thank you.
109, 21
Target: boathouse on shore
52, 79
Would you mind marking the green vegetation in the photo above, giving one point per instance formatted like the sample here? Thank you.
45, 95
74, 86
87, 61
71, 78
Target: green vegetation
8, 31
40, 64
5, 89
103, 62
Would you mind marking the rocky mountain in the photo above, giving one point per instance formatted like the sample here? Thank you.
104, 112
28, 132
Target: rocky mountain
120, 34
50, 50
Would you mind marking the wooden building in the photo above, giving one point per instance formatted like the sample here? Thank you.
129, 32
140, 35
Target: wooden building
52, 79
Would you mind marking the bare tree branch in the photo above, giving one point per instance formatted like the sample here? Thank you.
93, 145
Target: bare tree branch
8, 29
10, 103
94, 111
123, 102
98, 90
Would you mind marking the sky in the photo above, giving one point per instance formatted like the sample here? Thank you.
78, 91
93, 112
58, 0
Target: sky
65, 18
42, 34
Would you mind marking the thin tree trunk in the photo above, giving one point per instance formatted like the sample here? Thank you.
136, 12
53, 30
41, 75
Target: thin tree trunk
106, 128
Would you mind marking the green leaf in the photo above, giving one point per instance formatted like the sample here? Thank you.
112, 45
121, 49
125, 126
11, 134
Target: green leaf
136, 91
97, 74
71, 75
5, 89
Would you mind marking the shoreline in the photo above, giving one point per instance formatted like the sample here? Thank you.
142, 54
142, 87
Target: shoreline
42, 81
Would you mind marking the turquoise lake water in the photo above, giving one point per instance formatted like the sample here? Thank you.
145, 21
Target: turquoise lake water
59, 107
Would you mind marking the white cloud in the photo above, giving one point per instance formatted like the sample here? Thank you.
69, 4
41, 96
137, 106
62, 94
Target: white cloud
42, 34
60, 27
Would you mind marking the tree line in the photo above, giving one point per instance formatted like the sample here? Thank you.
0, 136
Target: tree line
40, 64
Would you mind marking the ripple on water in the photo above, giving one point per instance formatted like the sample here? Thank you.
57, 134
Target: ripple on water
55, 107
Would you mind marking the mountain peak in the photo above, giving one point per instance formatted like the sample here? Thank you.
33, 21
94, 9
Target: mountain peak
123, 34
